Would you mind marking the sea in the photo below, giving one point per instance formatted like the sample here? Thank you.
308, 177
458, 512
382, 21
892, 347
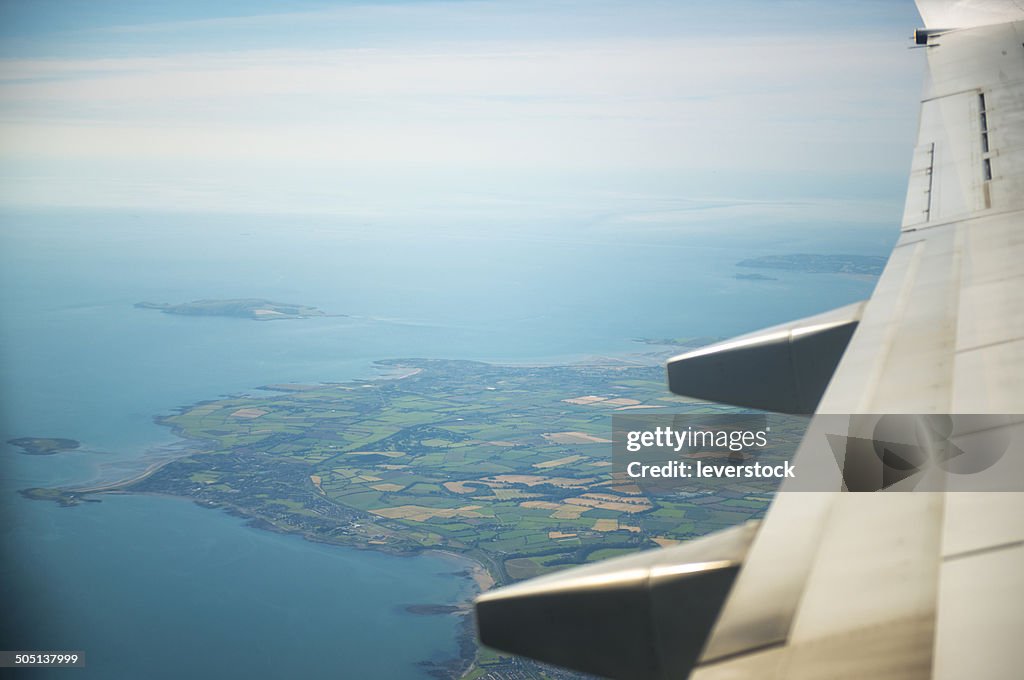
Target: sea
158, 587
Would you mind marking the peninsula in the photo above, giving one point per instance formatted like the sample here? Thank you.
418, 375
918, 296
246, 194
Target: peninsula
509, 466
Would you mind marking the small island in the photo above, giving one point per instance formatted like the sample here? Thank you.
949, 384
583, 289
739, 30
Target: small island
255, 309
870, 265
43, 446
755, 277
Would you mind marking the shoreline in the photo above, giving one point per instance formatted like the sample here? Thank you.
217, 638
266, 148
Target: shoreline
478, 571
481, 571
403, 376
162, 455
192, 446
478, 576
117, 486
475, 572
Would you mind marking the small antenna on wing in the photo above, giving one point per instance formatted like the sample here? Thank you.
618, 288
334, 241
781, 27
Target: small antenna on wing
923, 35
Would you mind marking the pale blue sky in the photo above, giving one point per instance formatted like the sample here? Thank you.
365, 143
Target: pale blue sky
476, 109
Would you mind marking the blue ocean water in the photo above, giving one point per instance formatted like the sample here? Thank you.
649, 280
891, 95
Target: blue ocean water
161, 588
158, 587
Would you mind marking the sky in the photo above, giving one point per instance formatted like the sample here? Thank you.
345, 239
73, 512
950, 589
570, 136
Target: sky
441, 110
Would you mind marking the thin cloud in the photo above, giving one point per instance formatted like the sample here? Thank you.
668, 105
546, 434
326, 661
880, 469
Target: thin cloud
730, 104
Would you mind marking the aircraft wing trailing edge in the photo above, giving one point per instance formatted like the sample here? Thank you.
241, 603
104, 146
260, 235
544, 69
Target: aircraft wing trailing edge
834, 584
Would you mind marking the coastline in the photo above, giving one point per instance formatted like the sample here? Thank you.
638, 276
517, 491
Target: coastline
478, 571
478, 577
118, 485
482, 573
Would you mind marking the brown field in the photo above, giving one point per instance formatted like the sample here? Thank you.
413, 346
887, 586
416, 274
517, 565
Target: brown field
249, 413
584, 400
387, 487
542, 505
419, 513
559, 534
509, 494
570, 483
606, 525
557, 463
389, 454
622, 401
458, 487
574, 438
569, 512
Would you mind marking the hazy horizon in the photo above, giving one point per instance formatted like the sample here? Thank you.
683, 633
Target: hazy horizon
470, 111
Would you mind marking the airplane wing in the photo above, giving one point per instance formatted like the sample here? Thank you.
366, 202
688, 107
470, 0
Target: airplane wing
834, 584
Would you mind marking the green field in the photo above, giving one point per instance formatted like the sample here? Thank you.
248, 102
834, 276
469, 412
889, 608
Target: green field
504, 464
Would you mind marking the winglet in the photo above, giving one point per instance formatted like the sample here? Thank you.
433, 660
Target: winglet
784, 368
643, 617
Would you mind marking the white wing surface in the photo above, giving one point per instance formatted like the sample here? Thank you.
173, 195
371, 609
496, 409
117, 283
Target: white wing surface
864, 585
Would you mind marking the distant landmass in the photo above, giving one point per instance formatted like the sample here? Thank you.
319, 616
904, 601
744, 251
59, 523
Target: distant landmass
694, 342
755, 277
43, 446
247, 308
870, 265
433, 609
